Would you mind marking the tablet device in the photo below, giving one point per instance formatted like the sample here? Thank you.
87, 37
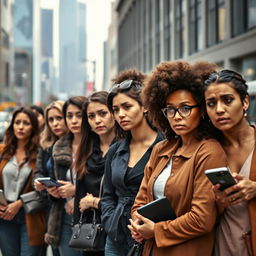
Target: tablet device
3, 200
221, 176
49, 182
158, 210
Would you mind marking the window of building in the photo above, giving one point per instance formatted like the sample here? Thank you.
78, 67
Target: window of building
243, 16
157, 25
195, 26
179, 29
167, 29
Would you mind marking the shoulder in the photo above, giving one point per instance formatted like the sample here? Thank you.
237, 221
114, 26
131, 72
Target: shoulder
210, 146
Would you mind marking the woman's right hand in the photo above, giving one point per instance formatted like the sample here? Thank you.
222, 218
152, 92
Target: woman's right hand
53, 191
39, 186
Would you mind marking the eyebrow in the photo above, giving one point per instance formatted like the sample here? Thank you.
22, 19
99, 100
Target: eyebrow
181, 103
221, 96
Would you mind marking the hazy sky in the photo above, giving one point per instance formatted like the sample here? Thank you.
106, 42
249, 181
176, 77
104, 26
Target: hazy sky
98, 20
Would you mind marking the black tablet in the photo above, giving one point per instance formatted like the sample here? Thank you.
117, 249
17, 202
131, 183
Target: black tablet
49, 182
158, 210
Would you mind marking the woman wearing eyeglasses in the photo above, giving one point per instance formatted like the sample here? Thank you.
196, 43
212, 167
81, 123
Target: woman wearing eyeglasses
126, 160
173, 95
227, 101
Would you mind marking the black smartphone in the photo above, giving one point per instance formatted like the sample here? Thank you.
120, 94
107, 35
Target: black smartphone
49, 182
3, 200
221, 176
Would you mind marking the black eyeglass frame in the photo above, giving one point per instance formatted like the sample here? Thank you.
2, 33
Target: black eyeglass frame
164, 110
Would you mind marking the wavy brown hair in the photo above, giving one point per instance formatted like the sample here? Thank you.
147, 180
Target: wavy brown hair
85, 148
169, 77
11, 141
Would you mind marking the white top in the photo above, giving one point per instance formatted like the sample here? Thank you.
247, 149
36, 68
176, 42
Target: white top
161, 180
15, 178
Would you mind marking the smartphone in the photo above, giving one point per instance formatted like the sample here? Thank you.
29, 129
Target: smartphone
221, 176
49, 182
3, 200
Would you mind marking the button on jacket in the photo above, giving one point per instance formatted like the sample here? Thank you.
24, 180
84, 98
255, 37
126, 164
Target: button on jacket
190, 195
120, 188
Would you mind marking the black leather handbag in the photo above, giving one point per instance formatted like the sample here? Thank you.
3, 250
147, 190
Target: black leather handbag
34, 201
136, 249
88, 236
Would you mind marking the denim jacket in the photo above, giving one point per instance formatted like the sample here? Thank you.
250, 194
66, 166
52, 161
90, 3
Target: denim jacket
120, 188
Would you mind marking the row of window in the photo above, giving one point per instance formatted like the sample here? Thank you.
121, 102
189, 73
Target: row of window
141, 28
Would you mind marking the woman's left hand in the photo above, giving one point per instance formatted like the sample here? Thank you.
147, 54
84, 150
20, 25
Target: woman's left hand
11, 210
246, 189
145, 229
86, 202
67, 190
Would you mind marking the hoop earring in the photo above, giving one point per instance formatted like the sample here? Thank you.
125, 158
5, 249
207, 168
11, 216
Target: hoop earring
245, 112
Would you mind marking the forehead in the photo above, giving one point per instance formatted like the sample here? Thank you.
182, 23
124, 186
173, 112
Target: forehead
22, 116
180, 96
121, 98
96, 106
220, 89
54, 111
73, 108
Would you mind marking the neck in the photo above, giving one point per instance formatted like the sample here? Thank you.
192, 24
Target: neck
107, 138
76, 139
21, 144
188, 140
239, 134
142, 132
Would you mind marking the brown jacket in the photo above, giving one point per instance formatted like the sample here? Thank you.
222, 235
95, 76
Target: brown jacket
252, 203
191, 196
35, 222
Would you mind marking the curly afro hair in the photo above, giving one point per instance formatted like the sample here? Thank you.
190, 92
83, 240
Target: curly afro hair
129, 74
171, 76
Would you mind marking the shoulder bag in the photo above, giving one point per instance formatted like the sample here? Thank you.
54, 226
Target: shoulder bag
88, 236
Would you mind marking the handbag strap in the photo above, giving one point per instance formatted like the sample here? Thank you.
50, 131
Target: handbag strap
101, 187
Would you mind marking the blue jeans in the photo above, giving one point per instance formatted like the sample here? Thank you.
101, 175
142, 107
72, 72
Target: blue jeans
114, 249
66, 232
14, 237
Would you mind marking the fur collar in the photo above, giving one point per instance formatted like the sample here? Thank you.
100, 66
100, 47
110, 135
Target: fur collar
62, 150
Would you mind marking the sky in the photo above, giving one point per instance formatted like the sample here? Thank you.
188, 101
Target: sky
98, 20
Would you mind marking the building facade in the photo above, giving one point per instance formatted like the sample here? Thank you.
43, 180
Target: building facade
219, 31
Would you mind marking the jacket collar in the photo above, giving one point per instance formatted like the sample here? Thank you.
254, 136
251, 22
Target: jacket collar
170, 147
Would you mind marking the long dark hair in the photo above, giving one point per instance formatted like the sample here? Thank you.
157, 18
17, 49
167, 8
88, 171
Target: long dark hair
88, 136
11, 141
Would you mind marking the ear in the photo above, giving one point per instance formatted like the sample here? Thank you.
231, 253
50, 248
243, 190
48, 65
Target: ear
246, 103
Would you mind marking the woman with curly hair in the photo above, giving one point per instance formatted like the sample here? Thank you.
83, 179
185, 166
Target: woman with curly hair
20, 233
173, 96
126, 159
227, 101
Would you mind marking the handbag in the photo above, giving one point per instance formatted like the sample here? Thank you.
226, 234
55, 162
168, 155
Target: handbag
136, 249
89, 236
34, 201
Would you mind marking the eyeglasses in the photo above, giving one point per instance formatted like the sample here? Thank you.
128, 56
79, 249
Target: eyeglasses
183, 111
127, 84
225, 75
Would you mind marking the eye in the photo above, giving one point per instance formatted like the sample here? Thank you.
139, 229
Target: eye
91, 116
69, 116
228, 100
115, 110
127, 107
79, 115
59, 118
185, 108
26, 123
103, 113
17, 122
50, 120
210, 104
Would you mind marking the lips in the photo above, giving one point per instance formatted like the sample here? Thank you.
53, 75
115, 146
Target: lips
124, 123
179, 126
222, 120
100, 127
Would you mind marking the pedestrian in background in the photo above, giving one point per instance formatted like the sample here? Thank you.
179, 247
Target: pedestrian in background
173, 96
20, 233
126, 159
40, 116
64, 154
98, 133
227, 102
55, 128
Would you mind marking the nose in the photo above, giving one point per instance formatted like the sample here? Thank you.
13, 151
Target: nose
97, 119
121, 113
177, 116
55, 122
74, 119
219, 108
21, 125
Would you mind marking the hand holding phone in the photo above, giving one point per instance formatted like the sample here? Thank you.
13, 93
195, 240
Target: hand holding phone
49, 182
221, 176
